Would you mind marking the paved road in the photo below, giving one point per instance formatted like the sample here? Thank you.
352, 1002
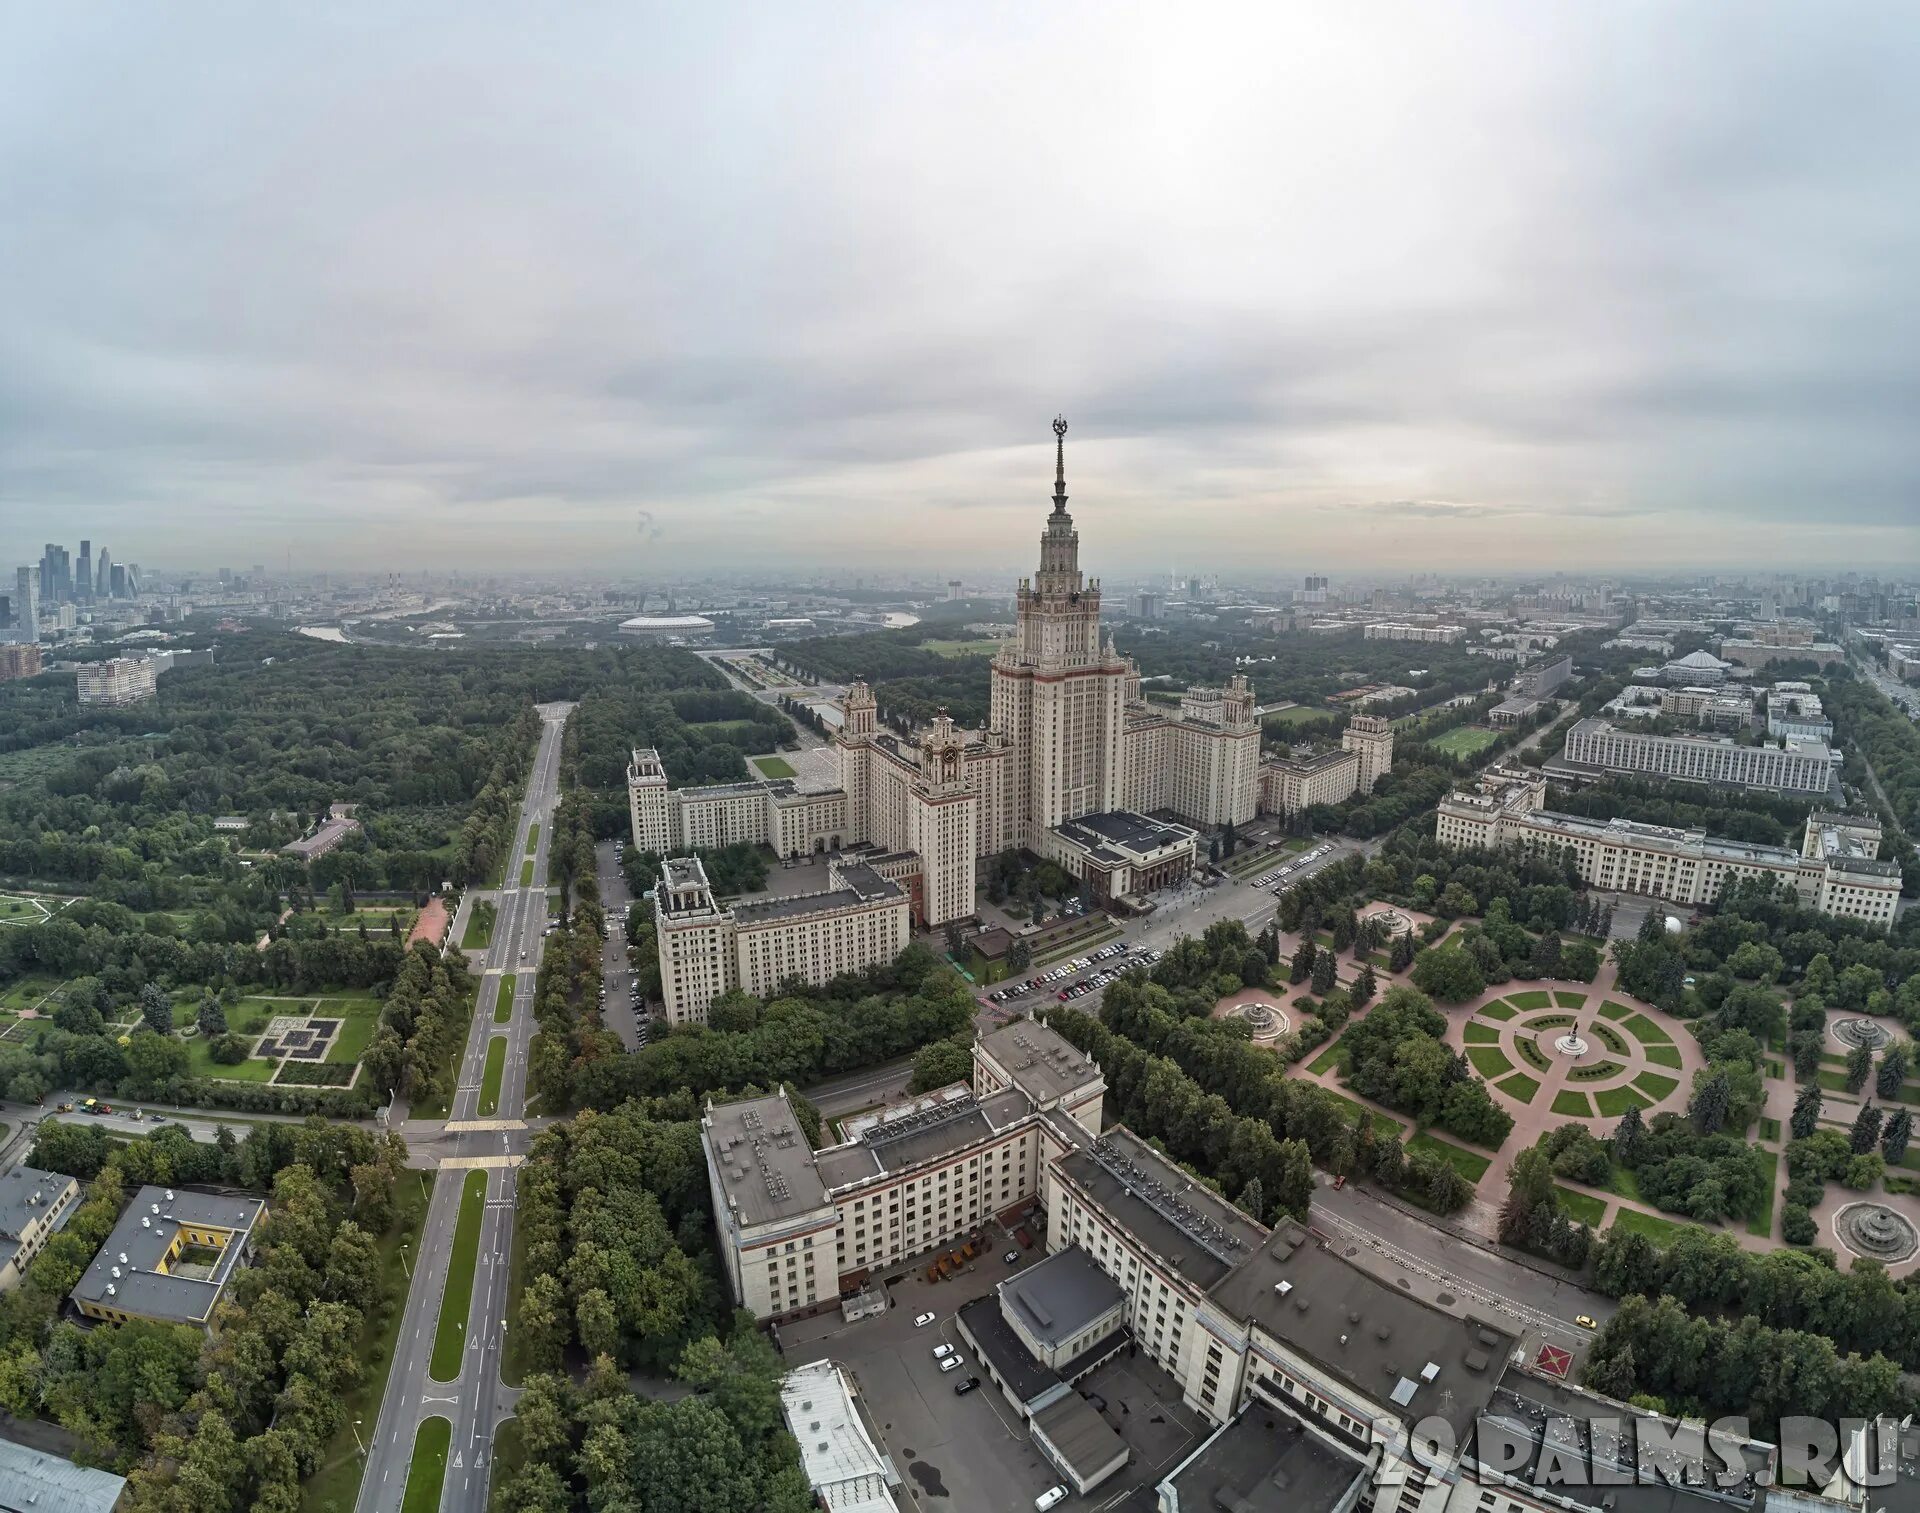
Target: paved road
477, 1401
619, 1015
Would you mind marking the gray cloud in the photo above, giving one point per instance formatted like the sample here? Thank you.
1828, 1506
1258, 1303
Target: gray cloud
368, 281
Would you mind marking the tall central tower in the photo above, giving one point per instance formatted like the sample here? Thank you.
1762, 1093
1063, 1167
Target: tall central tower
1058, 691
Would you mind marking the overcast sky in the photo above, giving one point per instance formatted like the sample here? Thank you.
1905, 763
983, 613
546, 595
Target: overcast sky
1318, 286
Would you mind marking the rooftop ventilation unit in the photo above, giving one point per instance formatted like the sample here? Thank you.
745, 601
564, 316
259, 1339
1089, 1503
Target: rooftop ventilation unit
169, 1194
1429, 1371
1283, 1288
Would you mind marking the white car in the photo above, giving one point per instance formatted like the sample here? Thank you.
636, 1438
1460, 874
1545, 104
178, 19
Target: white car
921, 1321
952, 1363
1051, 1498
941, 1352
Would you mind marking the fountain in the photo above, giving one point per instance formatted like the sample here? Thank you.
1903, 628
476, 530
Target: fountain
1267, 1021
1861, 1031
1873, 1229
1391, 923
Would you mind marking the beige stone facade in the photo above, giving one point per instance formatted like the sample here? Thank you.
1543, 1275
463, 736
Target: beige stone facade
1837, 870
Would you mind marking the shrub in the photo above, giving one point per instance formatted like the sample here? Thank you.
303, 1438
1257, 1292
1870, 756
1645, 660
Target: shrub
1797, 1226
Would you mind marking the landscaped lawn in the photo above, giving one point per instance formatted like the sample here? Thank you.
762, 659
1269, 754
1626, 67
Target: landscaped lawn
1383, 1124
27, 992
357, 1026
526, 873
1519, 1087
1465, 740
427, 1471
1615, 1101
450, 1337
1479, 1034
1655, 1228
200, 1063
774, 767
1664, 1055
979, 646
1489, 1061
1646, 1031
1593, 1071
1609, 1037
1582, 1208
1569, 1000
1622, 1181
1498, 1008
1612, 1010
337, 1483
1769, 1128
1533, 1054
478, 934
503, 1005
1571, 1102
1761, 1223
490, 1079
1655, 1086
533, 837
1298, 715
1533, 998
1470, 1165
1333, 1056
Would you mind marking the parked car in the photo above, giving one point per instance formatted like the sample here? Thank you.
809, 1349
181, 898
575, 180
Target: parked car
952, 1363
922, 1320
1051, 1498
941, 1352
1012, 1258
961, 1389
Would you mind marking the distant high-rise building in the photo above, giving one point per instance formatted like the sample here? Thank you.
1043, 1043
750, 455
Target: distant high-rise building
26, 609
226, 575
953, 588
103, 579
83, 572
117, 586
133, 580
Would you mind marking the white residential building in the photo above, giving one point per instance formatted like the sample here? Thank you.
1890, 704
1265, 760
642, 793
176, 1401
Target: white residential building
1797, 767
118, 680
1837, 870
707, 948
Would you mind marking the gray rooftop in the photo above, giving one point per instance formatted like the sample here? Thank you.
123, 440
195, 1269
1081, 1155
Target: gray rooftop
1079, 1435
1120, 834
859, 884
942, 1124
1368, 1333
1312, 761
1266, 1459
1189, 1226
1056, 1298
764, 1161
1025, 1377
45, 1483
29, 1196
1041, 1061
145, 1233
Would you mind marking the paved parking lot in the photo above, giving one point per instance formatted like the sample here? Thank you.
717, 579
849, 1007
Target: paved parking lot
972, 1452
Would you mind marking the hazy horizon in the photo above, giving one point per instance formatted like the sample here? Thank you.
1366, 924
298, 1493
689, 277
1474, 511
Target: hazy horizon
646, 293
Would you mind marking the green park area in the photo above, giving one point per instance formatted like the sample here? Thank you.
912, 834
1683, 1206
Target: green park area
478, 934
773, 767
1465, 740
450, 1337
979, 646
1615, 1101
1519, 1087
1569, 1000
503, 1005
1489, 1061
1298, 715
1655, 1228
31, 992
1582, 1208
337, 1482
1468, 1163
1572, 1103
1533, 998
1498, 1008
490, 1079
427, 1471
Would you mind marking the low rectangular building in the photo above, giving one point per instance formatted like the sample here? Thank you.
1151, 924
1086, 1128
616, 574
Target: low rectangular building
34, 1481
34, 1207
170, 1257
1795, 767
847, 1471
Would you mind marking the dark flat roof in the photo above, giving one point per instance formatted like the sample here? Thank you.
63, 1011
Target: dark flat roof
860, 885
1138, 1186
1081, 1437
1054, 1299
1025, 1377
1367, 1332
1266, 1459
1042, 1062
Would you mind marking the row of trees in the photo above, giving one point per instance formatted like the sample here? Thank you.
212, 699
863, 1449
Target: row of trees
1398, 1056
236, 1418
